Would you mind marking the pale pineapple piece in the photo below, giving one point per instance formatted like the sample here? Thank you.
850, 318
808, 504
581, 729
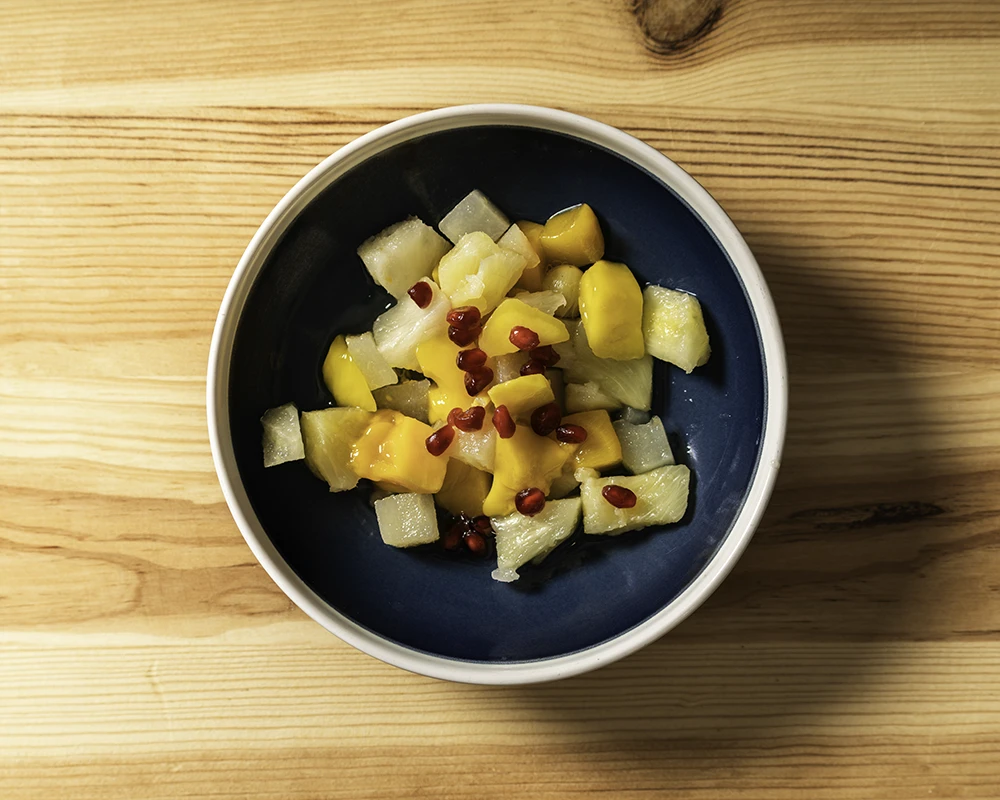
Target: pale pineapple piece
365, 355
673, 327
282, 435
549, 302
645, 446
344, 379
520, 539
495, 277
565, 484
407, 520
474, 212
329, 435
402, 254
463, 260
565, 280
408, 397
514, 239
661, 498
509, 366
588, 397
400, 330
634, 415
531, 278
630, 382
476, 448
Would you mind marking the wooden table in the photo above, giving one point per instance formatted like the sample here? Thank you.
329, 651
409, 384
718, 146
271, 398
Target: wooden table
855, 651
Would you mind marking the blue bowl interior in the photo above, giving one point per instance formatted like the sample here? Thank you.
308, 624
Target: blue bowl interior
314, 287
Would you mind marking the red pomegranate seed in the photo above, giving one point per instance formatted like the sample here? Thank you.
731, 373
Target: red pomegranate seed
532, 367
452, 415
439, 441
477, 380
464, 317
503, 422
464, 337
475, 543
452, 539
421, 294
468, 421
619, 496
571, 434
482, 525
529, 501
523, 338
545, 355
546, 419
469, 360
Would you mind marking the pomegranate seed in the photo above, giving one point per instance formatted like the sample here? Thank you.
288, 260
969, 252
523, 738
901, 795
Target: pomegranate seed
477, 380
421, 294
475, 543
545, 355
469, 360
571, 434
546, 419
532, 367
529, 501
464, 318
619, 496
523, 338
503, 422
452, 539
468, 421
452, 415
482, 525
439, 441
464, 337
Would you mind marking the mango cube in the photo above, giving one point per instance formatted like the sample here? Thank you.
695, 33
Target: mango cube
573, 237
495, 338
528, 460
344, 379
437, 359
601, 448
392, 452
523, 395
611, 310
500, 500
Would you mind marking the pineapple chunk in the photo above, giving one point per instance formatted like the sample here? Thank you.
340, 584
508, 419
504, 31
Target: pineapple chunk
661, 498
408, 397
644, 447
565, 280
476, 448
601, 449
464, 489
529, 460
531, 278
282, 437
368, 359
549, 302
611, 310
402, 254
565, 483
463, 260
674, 328
496, 276
392, 452
495, 338
407, 520
588, 397
403, 327
516, 240
344, 379
508, 367
573, 237
634, 415
329, 435
474, 212
521, 539
630, 382
523, 394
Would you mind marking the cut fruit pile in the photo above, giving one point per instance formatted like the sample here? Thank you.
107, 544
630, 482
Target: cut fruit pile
527, 342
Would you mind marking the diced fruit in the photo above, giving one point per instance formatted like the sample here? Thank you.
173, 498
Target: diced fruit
500, 500
644, 447
495, 338
403, 327
521, 539
476, 448
549, 302
402, 254
588, 397
393, 452
661, 498
368, 359
522, 395
515, 239
527, 459
464, 259
634, 415
474, 212
329, 434
437, 358
565, 280
573, 237
531, 278
509, 366
496, 276
674, 328
630, 382
282, 437
564, 484
601, 449
611, 311
406, 520
344, 379
464, 489
408, 397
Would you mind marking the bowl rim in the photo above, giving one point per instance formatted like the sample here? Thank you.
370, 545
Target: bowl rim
642, 156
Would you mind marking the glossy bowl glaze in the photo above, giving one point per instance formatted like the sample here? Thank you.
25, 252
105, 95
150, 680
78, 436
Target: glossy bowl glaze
595, 599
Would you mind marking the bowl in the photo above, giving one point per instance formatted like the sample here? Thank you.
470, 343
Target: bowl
595, 599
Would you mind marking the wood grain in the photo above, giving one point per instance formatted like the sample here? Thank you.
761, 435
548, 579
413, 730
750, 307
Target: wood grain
855, 650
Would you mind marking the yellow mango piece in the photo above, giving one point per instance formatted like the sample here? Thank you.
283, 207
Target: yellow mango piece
437, 359
464, 489
392, 451
500, 500
523, 394
495, 338
527, 459
573, 237
344, 378
531, 278
611, 311
601, 448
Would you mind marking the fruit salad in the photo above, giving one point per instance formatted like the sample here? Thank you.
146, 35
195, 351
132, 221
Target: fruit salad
503, 402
